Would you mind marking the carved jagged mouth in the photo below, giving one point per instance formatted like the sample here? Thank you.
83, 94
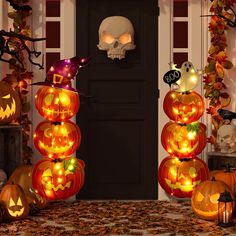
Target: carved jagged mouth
56, 149
184, 150
10, 110
49, 186
16, 213
184, 188
56, 112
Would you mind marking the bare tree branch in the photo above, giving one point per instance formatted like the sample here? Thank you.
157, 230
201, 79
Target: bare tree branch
5, 40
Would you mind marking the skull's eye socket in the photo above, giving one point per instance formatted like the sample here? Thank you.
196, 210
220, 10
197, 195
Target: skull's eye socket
48, 99
192, 172
214, 198
11, 203
7, 96
19, 202
199, 197
64, 99
125, 38
107, 38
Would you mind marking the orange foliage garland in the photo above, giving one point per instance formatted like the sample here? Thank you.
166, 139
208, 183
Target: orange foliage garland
217, 62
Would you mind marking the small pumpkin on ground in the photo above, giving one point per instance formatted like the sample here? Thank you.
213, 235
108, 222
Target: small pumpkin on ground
16, 205
205, 198
228, 176
22, 175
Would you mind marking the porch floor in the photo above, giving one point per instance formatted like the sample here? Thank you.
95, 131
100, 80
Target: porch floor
114, 218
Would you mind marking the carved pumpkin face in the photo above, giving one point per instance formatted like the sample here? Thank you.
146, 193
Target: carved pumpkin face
180, 177
178, 141
15, 202
205, 199
55, 180
183, 108
22, 175
56, 104
9, 103
57, 140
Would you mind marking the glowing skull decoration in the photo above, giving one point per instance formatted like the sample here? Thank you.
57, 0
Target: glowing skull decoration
116, 36
226, 138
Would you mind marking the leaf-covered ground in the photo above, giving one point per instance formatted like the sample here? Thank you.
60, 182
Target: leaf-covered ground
114, 218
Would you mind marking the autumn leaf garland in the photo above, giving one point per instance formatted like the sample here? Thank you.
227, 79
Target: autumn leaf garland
213, 78
20, 78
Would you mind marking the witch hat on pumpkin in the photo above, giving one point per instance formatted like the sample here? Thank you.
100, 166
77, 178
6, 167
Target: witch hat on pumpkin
63, 71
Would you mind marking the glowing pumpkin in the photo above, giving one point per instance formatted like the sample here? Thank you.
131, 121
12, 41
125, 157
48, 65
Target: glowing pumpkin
57, 139
58, 179
228, 176
56, 104
10, 105
205, 198
180, 177
183, 107
16, 204
178, 141
22, 175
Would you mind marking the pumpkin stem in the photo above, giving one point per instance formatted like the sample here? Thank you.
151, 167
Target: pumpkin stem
57, 160
186, 92
213, 178
185, 159
57, 123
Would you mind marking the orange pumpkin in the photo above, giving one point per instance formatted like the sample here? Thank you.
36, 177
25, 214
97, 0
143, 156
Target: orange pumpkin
228, 176
183, 107
57, 140
10, 104
16, 204
205, 199
22, 175
56, 104
178, 141
58, 179
180, 177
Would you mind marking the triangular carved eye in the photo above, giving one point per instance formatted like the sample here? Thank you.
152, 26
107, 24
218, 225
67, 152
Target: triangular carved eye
47, 173
48, 99
7, 96
19, 202
199, 197
11, 203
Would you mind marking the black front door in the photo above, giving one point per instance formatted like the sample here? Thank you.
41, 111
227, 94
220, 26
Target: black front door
119, 122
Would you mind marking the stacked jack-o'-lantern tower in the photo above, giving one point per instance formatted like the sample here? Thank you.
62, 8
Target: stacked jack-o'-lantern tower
58, 175
183, 137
